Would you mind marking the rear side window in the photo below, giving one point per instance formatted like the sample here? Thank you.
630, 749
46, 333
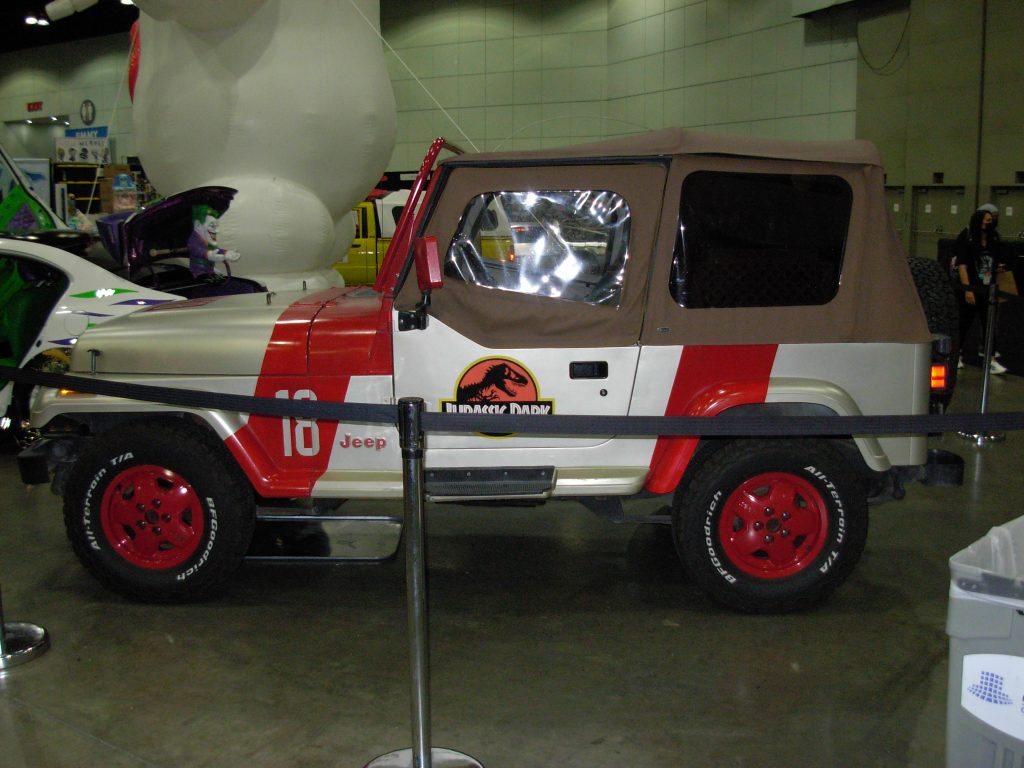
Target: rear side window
760, 239
564, 244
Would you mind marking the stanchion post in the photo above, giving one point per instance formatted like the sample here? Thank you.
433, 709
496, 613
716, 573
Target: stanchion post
991, 314
416, 576
981, 438
19, 642
3, 628
422, 755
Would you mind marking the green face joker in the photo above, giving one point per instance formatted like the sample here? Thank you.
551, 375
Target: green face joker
206, 222
202, 245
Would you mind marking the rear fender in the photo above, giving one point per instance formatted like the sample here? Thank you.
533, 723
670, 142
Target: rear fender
786, 397
672, 455
830, 400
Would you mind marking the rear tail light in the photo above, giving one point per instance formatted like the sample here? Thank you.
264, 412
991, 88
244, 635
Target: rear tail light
939, 377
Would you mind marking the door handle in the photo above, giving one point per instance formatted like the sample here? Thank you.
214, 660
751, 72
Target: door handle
588, 369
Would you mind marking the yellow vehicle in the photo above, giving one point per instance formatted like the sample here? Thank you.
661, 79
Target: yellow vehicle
375, 221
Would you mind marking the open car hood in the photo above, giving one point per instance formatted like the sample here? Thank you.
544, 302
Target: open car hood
145, 236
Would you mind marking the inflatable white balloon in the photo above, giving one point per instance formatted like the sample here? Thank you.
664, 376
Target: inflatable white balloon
287, 101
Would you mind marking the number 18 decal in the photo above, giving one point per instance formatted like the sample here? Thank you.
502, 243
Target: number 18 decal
301, 436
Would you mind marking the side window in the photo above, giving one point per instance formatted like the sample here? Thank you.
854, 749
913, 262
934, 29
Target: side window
359, 218
760, 239
565, 244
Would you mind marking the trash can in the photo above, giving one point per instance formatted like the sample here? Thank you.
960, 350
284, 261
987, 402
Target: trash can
985, 624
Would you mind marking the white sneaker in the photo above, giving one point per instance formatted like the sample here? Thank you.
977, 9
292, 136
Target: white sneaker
996, 367
960, 362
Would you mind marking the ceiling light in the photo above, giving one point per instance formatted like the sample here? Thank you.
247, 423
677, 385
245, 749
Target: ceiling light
31, 20
43, 22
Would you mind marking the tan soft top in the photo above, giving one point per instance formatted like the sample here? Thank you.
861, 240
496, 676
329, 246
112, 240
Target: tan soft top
680, 141
876, 301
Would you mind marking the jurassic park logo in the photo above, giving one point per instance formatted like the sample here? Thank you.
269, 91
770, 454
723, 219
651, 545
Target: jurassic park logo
498, 385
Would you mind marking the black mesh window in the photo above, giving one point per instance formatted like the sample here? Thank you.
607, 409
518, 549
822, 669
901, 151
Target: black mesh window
760, 239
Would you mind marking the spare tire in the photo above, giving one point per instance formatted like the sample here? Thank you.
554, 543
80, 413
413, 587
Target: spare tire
935, 289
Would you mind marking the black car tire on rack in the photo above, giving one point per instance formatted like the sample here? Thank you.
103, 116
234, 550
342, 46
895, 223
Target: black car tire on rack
158, 512
769, 526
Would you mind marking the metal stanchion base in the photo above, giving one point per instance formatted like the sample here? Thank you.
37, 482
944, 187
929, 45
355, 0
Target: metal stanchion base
22, 642
439, 758
982, 438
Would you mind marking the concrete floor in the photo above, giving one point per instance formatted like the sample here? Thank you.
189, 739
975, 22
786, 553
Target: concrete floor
557, 639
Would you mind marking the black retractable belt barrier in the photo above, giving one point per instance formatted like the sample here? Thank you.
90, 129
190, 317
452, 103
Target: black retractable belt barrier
726, 425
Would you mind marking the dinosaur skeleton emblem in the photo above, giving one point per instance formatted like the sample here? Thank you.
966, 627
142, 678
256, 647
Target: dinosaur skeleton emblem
497, 385
500, 378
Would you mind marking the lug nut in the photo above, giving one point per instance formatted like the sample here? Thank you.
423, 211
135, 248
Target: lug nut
786, 515
758, 525
156, 530
785, 532
768, 511
768, 539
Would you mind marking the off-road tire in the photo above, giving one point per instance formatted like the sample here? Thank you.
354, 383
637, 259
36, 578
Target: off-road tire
771, 526
159, 512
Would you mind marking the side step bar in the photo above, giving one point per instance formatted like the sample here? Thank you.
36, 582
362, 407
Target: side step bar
499, 483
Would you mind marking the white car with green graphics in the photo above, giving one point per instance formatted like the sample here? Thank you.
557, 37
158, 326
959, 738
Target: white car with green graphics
48, 298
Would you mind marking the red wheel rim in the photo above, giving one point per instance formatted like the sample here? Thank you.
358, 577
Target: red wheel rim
774, 525
152, 517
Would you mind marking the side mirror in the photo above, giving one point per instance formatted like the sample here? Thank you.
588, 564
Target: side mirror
428, 264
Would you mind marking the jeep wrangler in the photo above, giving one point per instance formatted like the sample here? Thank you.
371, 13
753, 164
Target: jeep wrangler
664, 274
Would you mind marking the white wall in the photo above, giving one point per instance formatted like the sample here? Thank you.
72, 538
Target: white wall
526, 74
62, 77
517, 74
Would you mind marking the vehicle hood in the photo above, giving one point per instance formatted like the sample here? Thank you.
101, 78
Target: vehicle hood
237, 335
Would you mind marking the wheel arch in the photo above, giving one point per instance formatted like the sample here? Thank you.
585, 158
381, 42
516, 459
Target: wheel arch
787, 397
264, 471
67, 431
820, 398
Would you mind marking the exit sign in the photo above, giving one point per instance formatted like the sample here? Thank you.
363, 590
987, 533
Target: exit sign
34, 106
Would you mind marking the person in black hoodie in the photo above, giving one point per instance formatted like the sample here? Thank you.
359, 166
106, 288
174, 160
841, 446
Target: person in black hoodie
976, 262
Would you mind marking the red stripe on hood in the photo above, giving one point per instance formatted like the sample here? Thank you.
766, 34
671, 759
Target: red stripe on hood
335, 339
